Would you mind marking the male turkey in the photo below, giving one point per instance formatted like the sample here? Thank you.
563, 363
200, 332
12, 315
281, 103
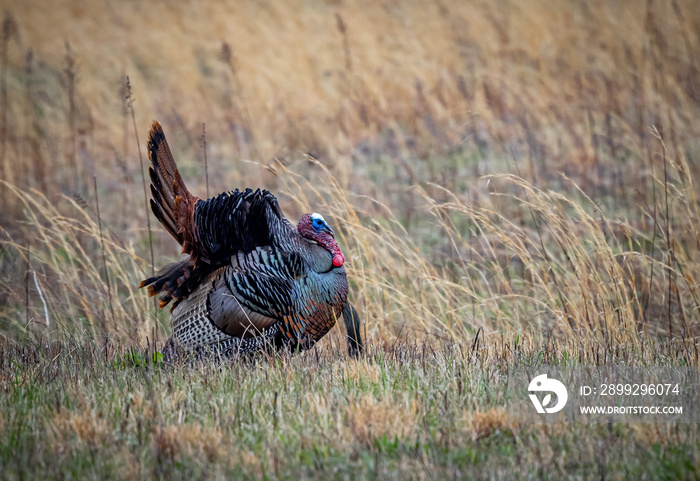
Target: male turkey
252, 280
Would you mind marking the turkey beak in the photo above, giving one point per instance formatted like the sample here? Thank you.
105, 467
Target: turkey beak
327, 229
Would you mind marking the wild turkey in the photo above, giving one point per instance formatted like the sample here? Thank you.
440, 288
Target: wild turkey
252, 280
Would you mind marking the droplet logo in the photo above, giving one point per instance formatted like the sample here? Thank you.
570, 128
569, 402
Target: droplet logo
542, 384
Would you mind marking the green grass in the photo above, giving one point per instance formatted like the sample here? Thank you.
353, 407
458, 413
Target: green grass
76, 410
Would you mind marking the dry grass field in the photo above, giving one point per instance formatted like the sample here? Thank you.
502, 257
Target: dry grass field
523, 172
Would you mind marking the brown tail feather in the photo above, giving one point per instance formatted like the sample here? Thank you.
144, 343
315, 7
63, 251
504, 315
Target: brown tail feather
169, 282
172, 204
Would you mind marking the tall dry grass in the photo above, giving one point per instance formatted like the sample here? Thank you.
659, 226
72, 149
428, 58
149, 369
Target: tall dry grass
516, 167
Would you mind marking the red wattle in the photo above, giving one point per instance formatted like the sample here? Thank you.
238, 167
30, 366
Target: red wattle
338, 259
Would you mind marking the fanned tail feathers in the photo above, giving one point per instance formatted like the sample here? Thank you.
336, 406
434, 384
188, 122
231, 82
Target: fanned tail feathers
173, 205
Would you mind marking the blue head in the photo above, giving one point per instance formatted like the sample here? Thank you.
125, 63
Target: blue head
314, 227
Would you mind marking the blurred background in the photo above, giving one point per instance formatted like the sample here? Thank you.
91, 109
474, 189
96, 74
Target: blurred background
516, 166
